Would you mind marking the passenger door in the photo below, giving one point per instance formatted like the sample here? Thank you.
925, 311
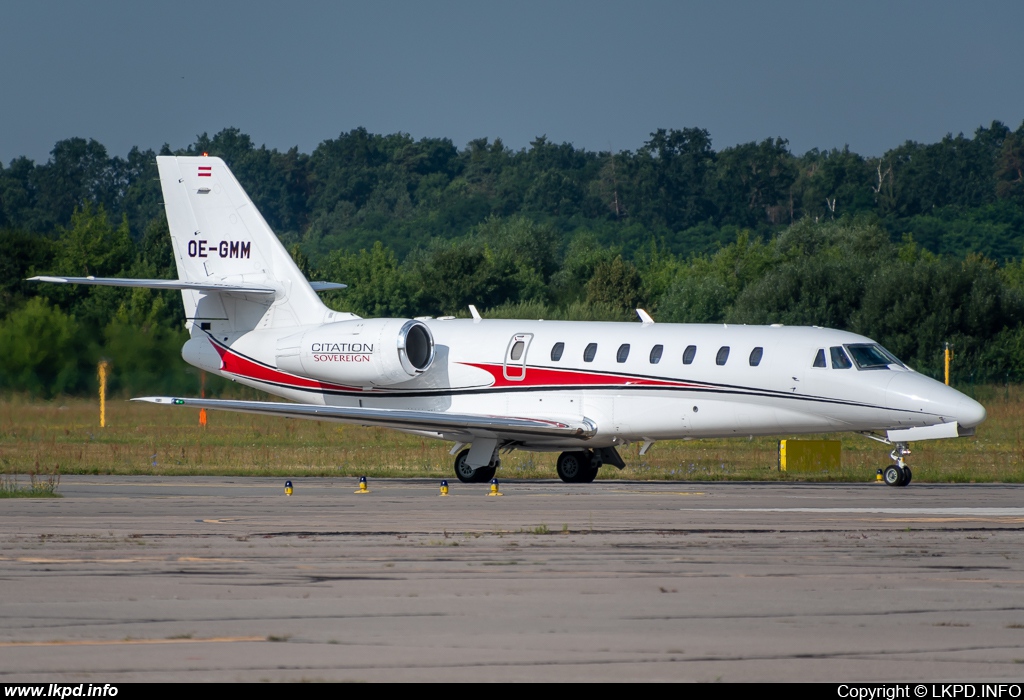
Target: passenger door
515, 357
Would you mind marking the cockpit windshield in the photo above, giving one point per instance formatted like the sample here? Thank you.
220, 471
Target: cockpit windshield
871, 356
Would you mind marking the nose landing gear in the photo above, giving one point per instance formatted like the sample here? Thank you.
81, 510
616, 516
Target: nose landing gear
898, 474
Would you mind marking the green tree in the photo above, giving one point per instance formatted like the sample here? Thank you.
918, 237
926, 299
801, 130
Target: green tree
377, 285
615, 283
43, 351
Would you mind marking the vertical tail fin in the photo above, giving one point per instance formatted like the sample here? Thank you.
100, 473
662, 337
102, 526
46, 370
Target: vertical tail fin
219, 236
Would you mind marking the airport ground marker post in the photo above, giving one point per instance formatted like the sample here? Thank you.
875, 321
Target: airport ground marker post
202, 395
103, 368
362, 485
444, 487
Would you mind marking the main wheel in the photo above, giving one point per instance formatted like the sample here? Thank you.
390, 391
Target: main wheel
893, 475
463, 471
572, 466
588, 475
907, 476
485, 474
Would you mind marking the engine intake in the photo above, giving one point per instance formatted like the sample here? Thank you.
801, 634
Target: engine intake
366, 352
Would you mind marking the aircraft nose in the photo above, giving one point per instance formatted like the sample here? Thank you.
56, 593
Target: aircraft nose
970, 413
912, 393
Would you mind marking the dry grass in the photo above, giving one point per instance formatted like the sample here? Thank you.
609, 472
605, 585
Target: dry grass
64, 437
45, 487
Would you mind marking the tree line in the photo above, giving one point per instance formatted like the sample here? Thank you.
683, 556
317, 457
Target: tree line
915, 248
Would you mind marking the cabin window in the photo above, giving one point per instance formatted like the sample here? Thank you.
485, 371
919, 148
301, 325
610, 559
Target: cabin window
590, 352
556, 351
839, 359
517, 351
623, 353
688, 354
819, 359
656, 354
723, 355
755, 356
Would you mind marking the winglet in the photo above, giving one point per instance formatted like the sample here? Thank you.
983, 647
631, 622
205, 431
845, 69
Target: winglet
645, 317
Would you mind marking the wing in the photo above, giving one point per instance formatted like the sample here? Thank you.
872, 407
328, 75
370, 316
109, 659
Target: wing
506, 427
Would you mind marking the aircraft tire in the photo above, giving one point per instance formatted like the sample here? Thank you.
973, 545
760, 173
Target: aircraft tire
484, 474
587, 476
572, 466
907, 476
893, 475
463, 471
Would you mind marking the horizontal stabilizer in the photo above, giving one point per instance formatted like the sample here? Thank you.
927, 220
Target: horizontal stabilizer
162, 284
403, 419
326, 286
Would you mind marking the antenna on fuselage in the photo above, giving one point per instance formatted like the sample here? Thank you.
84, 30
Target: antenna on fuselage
645, 317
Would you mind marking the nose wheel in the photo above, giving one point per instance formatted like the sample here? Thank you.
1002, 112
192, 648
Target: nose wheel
898, 474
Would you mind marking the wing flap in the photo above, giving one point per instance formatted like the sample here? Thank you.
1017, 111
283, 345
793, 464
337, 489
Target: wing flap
404, 419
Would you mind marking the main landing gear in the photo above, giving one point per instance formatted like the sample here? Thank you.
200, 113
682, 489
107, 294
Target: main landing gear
898, 474
481, 475
578, 467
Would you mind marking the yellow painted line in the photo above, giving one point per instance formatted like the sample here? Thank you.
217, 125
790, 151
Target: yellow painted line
114, 642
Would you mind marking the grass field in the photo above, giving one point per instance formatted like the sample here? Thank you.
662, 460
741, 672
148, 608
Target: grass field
64, 437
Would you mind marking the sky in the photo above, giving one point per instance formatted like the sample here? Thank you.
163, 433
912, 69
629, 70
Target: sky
599, 74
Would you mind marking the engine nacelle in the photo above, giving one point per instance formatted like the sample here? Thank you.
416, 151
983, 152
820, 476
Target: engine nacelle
365, 352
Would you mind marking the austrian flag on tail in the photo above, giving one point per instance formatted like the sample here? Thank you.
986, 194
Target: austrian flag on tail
205, 171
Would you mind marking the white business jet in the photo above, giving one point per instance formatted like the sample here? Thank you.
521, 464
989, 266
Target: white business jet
578, 388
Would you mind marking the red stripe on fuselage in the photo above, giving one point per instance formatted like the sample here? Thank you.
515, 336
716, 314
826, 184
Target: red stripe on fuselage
241, 366
234, 363
555, 378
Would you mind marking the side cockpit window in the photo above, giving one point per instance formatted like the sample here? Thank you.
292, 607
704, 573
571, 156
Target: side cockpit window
839, 358
819, 359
